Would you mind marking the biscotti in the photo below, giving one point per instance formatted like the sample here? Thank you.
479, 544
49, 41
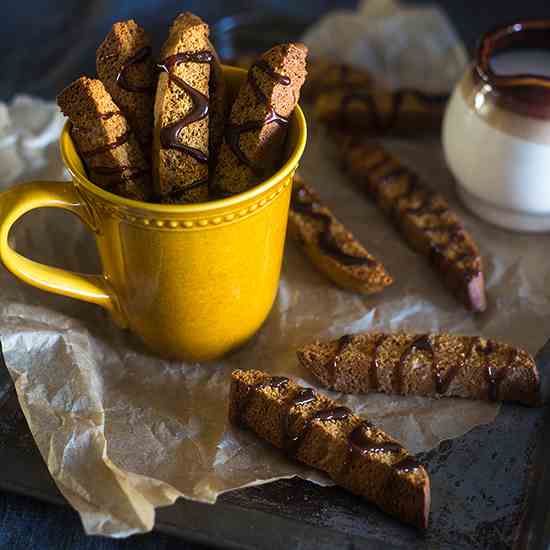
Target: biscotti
378, 111
313, 429
254, 136
423, 217
105, 141
125, 66
330, 246
188, 112
432, 365
325, 75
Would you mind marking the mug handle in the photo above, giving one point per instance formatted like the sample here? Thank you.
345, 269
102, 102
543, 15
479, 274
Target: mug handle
25, 197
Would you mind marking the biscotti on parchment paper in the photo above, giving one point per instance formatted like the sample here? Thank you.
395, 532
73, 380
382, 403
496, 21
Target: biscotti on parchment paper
326, 75
332, 249
432, 365
422, 216
315, 430
377, 111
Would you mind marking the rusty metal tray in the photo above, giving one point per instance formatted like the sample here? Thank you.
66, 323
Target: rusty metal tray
490, 489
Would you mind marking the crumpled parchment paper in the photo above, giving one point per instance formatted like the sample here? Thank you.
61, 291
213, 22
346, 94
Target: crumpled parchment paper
402, 46
123, 432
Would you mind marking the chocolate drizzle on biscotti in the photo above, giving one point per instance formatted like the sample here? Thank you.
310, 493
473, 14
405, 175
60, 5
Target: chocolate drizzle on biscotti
374, 383
366, 98
379, 120
421, 343
303, 203
359, 441
315, 430
443, 381
275, 382
123, 138
99, 128
101, 116
422, 216
110, 114
233, 132
495, 376
427, 364
169, 134
303, 397
343, 342
293, 443
427, 206
330, 246
125, 172
122, 76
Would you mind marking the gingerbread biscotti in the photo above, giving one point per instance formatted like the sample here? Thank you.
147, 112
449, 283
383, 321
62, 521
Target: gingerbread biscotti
254, 135
125, 66
333, 250
188, 112
315, 430
423, 217
378, 111
325, 75
105, 141
433, 365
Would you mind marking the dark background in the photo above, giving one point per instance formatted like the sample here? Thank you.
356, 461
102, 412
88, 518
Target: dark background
46, 44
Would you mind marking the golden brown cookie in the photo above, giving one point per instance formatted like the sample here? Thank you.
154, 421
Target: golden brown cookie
332, 249
254, 135
188, 111
325, 75
104, 139
315, 430
378, 111
125, 66
433, 365
423, 217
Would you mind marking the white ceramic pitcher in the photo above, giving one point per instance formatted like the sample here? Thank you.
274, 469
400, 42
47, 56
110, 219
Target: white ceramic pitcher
496, 131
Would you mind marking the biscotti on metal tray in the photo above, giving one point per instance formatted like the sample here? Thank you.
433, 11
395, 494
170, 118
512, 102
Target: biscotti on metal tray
105, 141
254, 135
333, 250
125, 66
315, 430
433, 365
422, 216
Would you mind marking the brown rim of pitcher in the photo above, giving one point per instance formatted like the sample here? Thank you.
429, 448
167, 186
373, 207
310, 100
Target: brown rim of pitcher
523, 93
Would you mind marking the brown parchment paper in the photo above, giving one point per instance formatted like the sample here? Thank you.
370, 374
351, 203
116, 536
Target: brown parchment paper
123, 432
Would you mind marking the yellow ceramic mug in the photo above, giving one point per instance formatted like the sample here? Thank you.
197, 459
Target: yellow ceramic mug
193, 281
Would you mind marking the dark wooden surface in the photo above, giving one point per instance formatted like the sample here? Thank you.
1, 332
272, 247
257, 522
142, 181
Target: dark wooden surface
486, 493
